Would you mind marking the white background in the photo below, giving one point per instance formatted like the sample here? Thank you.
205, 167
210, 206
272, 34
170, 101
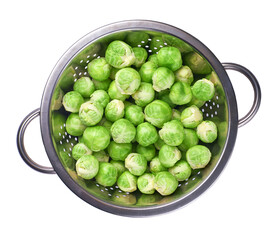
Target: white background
34, 35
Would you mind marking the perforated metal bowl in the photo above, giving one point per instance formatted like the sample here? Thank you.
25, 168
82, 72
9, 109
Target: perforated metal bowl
222, 109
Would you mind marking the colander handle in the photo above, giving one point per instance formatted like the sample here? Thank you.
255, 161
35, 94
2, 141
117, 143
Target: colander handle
21, 146
256, 87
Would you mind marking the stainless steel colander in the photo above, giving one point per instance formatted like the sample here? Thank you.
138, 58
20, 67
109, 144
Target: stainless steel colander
222, 109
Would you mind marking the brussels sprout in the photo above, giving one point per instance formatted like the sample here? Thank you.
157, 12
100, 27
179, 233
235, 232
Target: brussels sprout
164, 96
170, 57
207, 131
58, 121
176, 115
157, 113
114, 93
191, 117
79, 150
172, 133
213, 77
74, 125
107, 174
196, 102
72, 101
146, 71
156, 166
84, 86
153, 58
169, 155
127, 182
140, 56
127, 81
102, 85
91, 113
159, 144
119, 165
162, 78
101, 97
101, 156
134, 114
165, 183
203, 89
144, 95
119, 151
191, 139
146, 134
197, 64
57, 97
67, 79
148, 152
198, 156
99, 69
105, 123
96, 138
123, 131
181, 170
137, 39
180, 93
87, 167
145, 183
136, 164
184, 74
113, 72
127, 103
119, 54
114, 110
156, 44
176, 42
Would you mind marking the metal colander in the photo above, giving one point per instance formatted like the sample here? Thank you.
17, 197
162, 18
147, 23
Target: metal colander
221, 109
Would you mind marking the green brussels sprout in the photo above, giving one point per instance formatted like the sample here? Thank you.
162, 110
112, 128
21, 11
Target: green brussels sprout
79, 150
113, 72
165, 183
155, 165
137, 39
172, 133
119, 54
107, 174
184, 74
87, 167
140, 56
136, 164
198, 156
191, 139
96, 138
114, 110
145, 183
163, 78
102, 85
101, 97
169, 155
134, 114
144, 95
67, 79
127, 103
127, 182
180, 93
181, 170
176, 115
99, 69
156, 44
91, 113
84, 86
114, 93
213, 77
101, 156
170, 57
203, 89
146, 71
207, 131
119, 165
74, 125
58, 122
176, 42
148, 152
105, 123
157, 113
164, 96
119, 151
146, 134
127, 80
196, 102
72, 101
159, 144
57, 97
197, 63
123, 131
191, 117
153, 58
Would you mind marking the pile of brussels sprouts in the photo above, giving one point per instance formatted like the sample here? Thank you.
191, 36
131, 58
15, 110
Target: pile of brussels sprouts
137, 118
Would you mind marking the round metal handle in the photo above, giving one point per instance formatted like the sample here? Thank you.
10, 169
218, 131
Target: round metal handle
256, 87
21, 146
